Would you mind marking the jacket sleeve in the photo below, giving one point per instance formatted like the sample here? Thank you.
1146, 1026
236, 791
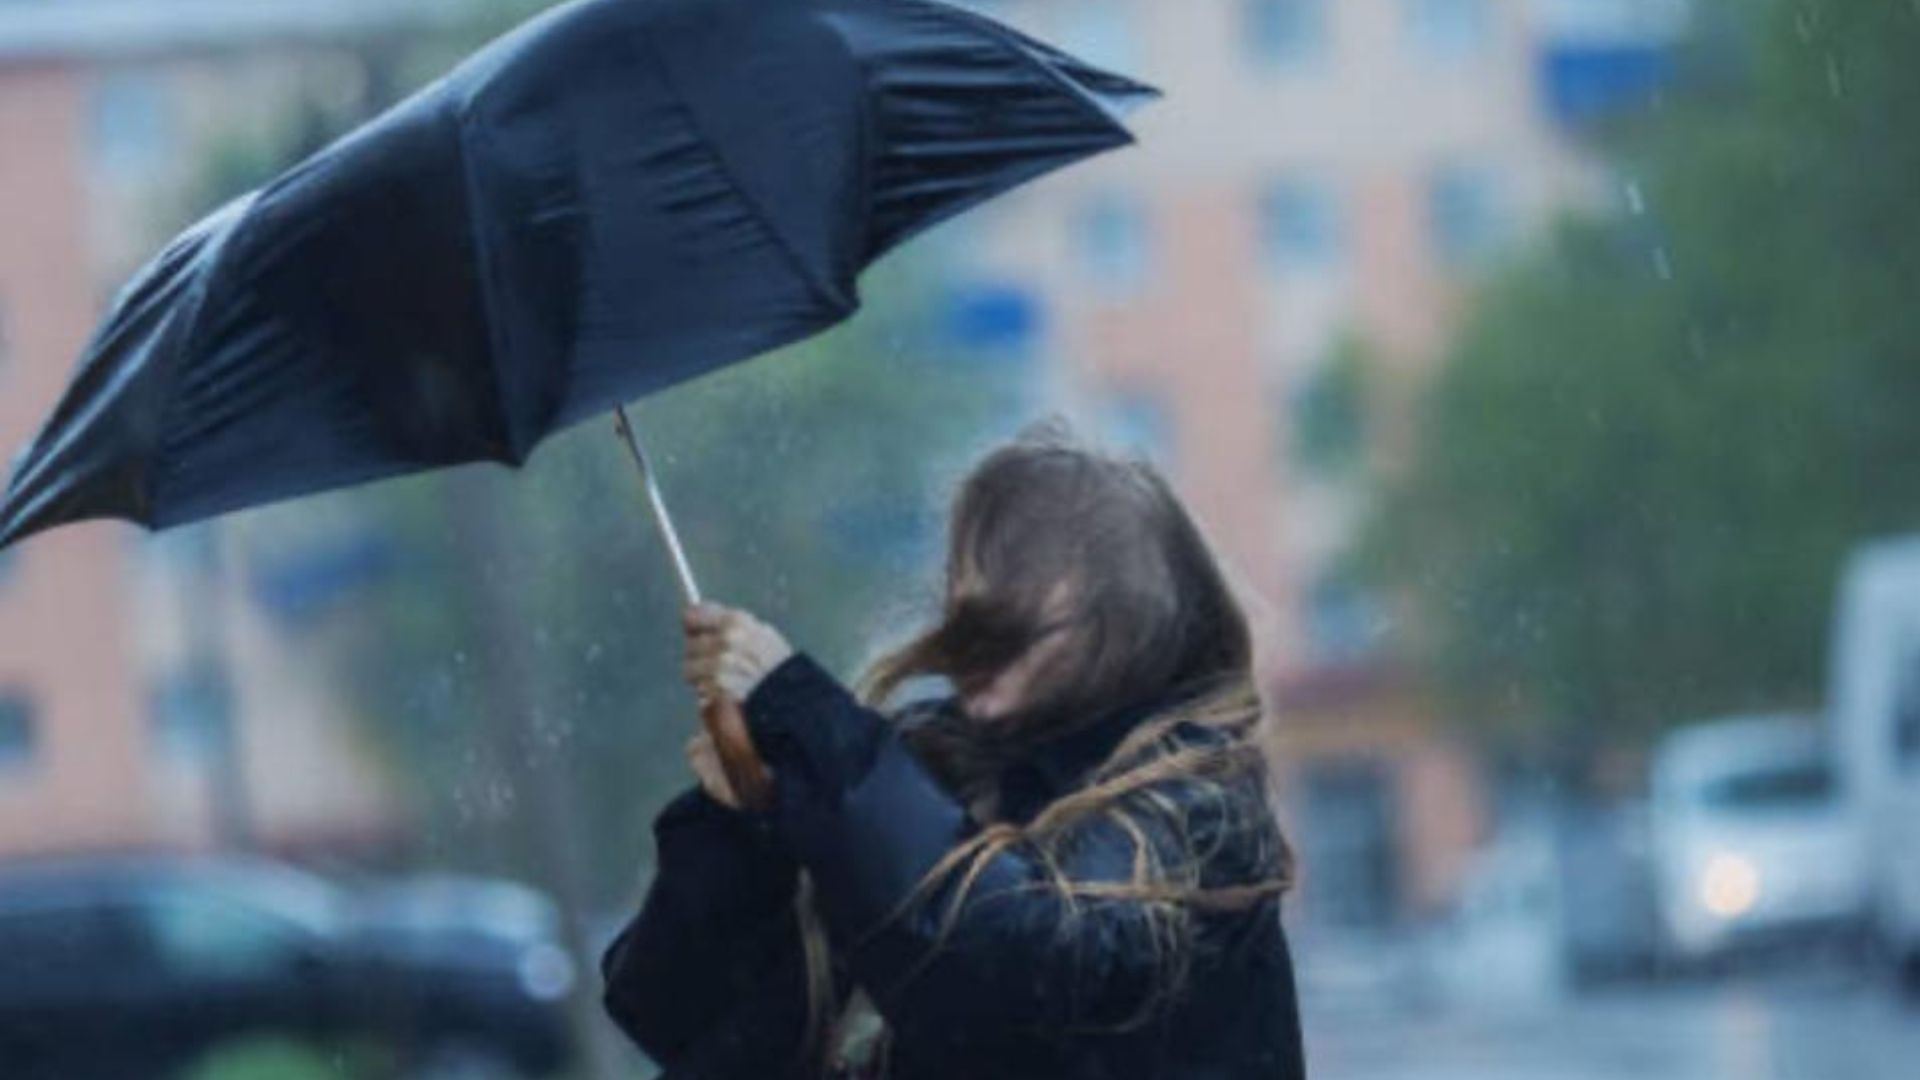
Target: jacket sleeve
869, 823
717, 922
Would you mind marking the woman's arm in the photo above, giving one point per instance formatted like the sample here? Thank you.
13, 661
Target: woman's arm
870, 824
717, 920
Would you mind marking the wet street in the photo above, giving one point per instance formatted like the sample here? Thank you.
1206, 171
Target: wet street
1778, 1028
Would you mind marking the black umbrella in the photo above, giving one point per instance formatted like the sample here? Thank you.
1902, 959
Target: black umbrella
620, 195
616, 197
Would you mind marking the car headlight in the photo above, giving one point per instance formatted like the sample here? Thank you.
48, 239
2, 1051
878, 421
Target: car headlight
1729, 886
545, 972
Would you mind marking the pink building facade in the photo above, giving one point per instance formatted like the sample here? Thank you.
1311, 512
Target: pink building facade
70, 766
109, 114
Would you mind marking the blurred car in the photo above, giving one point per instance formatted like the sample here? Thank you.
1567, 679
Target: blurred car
1751, 843
477, 924
1502, 942
139, 967
1876, 712
1558, 899
1609, 922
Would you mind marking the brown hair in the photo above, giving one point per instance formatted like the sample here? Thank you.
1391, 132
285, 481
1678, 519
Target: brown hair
1048, 537
1053, 542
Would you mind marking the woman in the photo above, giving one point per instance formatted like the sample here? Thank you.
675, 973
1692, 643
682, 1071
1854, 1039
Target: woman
1069, 869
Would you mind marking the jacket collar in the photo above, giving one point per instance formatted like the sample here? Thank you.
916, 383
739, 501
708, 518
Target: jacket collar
1051, 768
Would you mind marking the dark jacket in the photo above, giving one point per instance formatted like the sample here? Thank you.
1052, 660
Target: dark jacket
709, 978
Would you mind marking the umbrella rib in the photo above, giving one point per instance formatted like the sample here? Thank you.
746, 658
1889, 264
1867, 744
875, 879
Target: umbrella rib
499, 332
1026, 47
822, 290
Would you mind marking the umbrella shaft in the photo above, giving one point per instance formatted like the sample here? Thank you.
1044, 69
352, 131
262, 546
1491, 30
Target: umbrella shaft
689, 588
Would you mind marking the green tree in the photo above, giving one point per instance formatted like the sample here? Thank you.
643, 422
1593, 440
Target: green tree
1661, 432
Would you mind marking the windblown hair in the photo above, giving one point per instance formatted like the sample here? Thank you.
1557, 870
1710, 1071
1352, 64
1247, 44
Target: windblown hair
1087, 567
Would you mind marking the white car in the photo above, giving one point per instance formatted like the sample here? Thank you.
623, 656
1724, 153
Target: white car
1750, 840
1876, 712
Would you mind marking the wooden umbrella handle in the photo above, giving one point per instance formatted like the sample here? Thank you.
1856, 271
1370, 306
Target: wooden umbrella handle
746, 773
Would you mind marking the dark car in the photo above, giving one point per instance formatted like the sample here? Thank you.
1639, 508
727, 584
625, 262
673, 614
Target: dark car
139, 968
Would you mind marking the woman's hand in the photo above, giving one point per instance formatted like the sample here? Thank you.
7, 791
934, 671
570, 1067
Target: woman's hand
730, 651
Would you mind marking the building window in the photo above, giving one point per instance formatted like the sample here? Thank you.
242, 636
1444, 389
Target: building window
1114, 243
1139, 422
1452, 29
191, 553
1351, 839
19, 733
1300, 224
1330, 416
190, 712
1286, 33
1344, 620
131, 124
1463, 213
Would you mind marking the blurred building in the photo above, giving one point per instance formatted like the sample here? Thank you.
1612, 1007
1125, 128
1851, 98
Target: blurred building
148, 696
1254, 295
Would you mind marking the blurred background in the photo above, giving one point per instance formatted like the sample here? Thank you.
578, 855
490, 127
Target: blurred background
1547, 370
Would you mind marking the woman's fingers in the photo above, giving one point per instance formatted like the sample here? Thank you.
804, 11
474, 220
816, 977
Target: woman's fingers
708, 619
732, 677
730, 649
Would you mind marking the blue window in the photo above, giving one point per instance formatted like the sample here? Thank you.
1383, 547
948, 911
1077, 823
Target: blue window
1300, 224
1344, 621
191, 711
193, 551
1286, 33
1114, 242
1139, 422
19, 733
1353, 818
1464, 215
1330, 428
1453, 29
132, 129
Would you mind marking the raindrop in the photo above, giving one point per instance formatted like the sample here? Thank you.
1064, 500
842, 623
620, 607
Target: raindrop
1836, 82
500, 798
551, 732
1636, 199
1663, 264
594, 653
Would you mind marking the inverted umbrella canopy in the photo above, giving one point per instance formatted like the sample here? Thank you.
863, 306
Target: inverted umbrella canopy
618, 196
